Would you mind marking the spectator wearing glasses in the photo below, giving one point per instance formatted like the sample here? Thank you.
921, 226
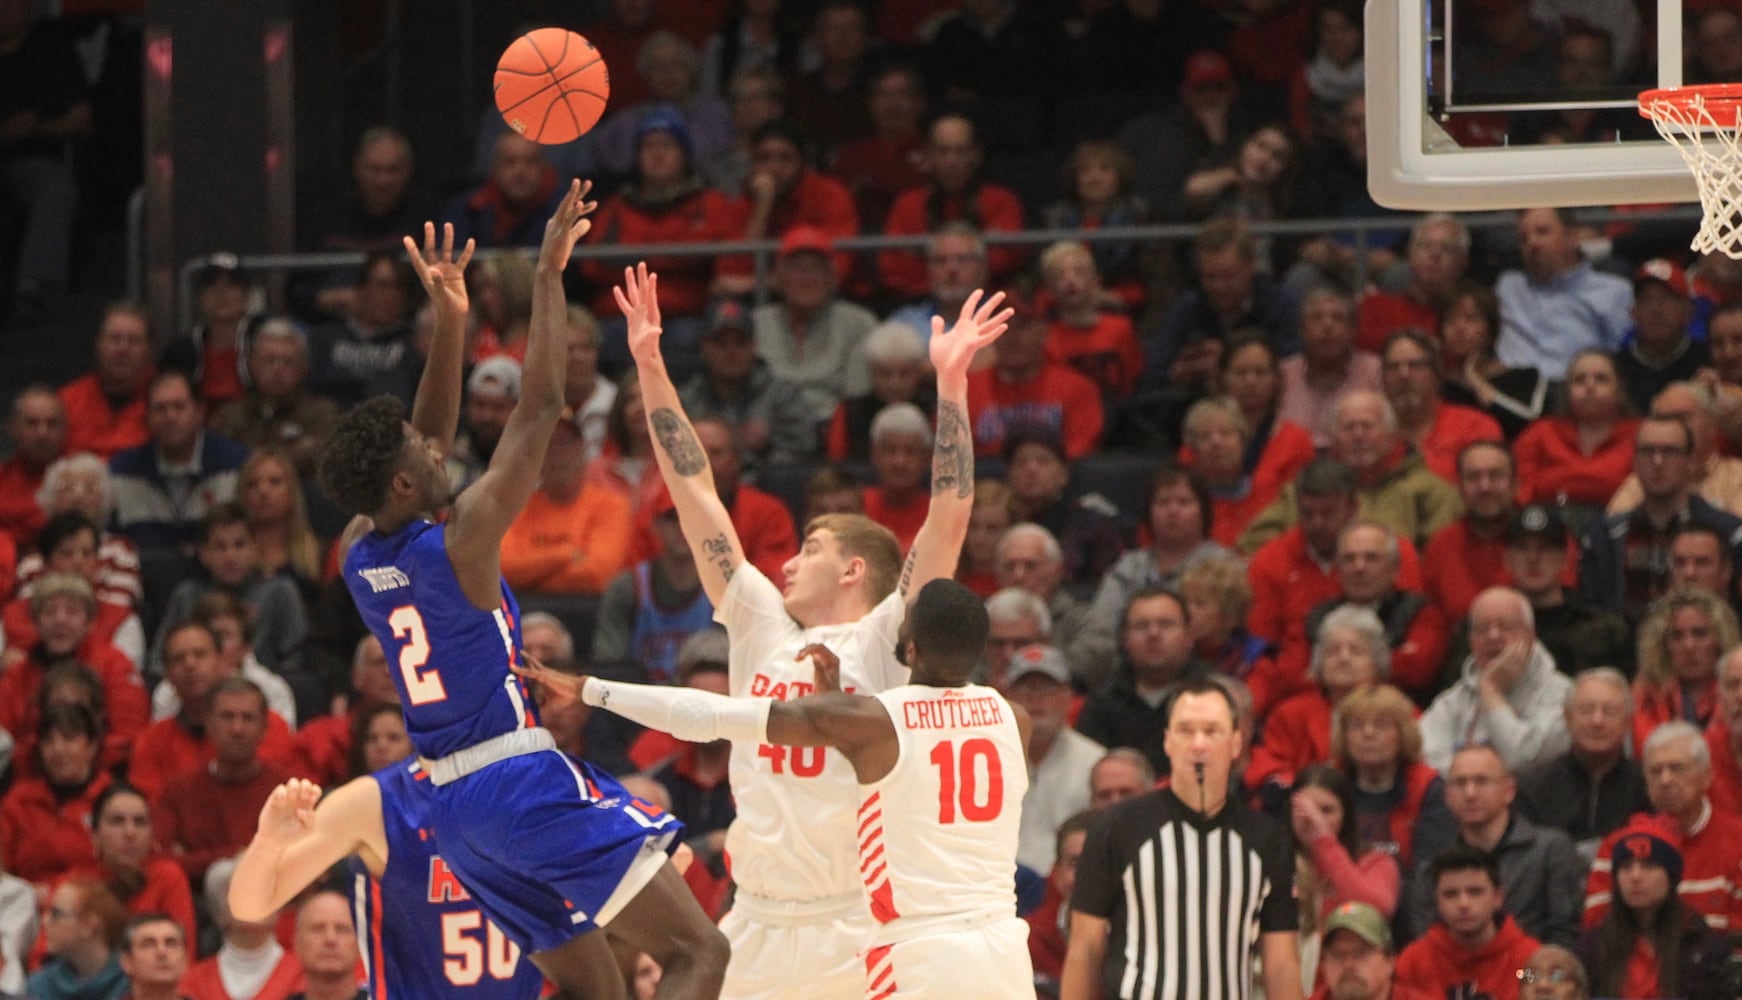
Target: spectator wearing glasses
1718, 476
1553, 973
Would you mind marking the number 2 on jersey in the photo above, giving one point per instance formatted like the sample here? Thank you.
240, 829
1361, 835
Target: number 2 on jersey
959, 781
421, 686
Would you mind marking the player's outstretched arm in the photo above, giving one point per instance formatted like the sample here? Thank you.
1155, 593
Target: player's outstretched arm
300, 836
435, 410
939, 542
484, 511
682, 462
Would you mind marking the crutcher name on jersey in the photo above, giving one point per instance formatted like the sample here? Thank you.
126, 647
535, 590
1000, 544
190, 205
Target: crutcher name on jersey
952, 713
385, 578
444, 887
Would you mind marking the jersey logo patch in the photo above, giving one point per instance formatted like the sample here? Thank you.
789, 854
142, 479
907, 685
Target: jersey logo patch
444, 886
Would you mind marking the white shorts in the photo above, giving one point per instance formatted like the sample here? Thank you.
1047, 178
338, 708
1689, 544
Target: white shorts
989, 962
818, 960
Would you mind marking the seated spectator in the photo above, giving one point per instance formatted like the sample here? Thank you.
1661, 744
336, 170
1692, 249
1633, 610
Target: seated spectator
1581, 456
271, 493
213, 352
37, 431
1019, 619
896, 358
232, 623
70, 684
1578, 634
250, 963
829, 100
1651, 943
231, 561
503, 287
1257, 183
1724, 736
1680, 642
154, 956
378, 738
1541, 865
70, 547
774, 419
886, 162
208, 812
1400, 803
371, 352
1049, 923
1155, 653
1217, 438
1328, 367
1558, 305
1368, 565
1059, 757
1249, 374
901, 445
1410, 369
650, 608
1469, 555
1473, 376
695, 777
1509, 693
512, 205
193, 664
1219, 598
813, 338
143, 880
1350, 653
1662, 349
163, 488
80, 484
1100, 344
1332, 866
105, 409
1089, 529
831, 490
672, 68
665, 201
45, 822
1474, 947
1591, 790
1624, 559
1438, 254
763, 523
1023, 387
326, 947
1361, 964
1178, 527
380, 205
276, 407
1719, 476
784, 192
571, 537
1699, 558
83, 930
1122, 774
324, 744
956, 189
955, 266
1098, 194
993, 513
1333, 184
1029, 558
625, 463
587, 393
491, 392
756, 95
1395, 487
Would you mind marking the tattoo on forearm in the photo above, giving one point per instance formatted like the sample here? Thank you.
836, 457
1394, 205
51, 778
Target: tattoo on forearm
678, 440
718, 550
907, 572
952, 464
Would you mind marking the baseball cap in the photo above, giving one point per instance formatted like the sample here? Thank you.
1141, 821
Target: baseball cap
1038, 658
1537, 521
1031, 433
1665, 272
729, 314
221, 264
1362, 920
497, 375
1206, 68
802, 239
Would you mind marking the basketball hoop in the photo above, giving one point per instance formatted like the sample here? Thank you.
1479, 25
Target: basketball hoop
1704, 124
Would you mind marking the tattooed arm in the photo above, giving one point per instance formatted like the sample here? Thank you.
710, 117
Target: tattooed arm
939, 543
682, 462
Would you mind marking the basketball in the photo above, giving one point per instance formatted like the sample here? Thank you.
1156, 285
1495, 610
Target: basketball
551, 85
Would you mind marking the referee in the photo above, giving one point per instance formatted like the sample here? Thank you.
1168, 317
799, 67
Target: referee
1177, 888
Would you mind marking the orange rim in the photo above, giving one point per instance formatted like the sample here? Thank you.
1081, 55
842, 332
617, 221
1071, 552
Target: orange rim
1716, 97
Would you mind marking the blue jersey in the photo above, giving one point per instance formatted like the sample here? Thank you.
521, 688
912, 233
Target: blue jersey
421, 933
448, 659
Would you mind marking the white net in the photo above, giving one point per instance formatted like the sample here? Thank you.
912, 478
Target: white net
1708, 134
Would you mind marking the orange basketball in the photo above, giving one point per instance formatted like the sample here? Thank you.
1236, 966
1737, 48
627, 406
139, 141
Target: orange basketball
551, 85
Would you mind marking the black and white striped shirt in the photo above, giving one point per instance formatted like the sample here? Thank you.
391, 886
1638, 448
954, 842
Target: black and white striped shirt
1186, 898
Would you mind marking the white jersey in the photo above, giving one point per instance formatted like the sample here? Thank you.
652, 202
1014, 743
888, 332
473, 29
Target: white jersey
937, 836
793, 838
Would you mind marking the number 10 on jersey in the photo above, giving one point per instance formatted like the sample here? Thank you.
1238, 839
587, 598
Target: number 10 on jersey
959, 781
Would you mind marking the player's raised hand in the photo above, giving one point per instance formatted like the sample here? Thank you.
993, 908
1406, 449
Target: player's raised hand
567, 226
638, 297
980, 323
289, 812
828, 666
560, 690
443, 274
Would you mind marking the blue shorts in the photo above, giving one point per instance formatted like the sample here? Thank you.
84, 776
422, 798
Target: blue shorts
549, 846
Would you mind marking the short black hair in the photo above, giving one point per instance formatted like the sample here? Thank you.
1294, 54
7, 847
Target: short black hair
948, 626
1149, 592
62, 526
362, 455
222, 515
146, 919
1462, 858
68, 720
1169, 476
1709, 531
1325, 477
1202, 684
194, 624
1475, 446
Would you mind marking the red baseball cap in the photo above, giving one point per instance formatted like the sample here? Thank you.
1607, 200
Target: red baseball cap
799, 239
1664, 271
1206, 68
